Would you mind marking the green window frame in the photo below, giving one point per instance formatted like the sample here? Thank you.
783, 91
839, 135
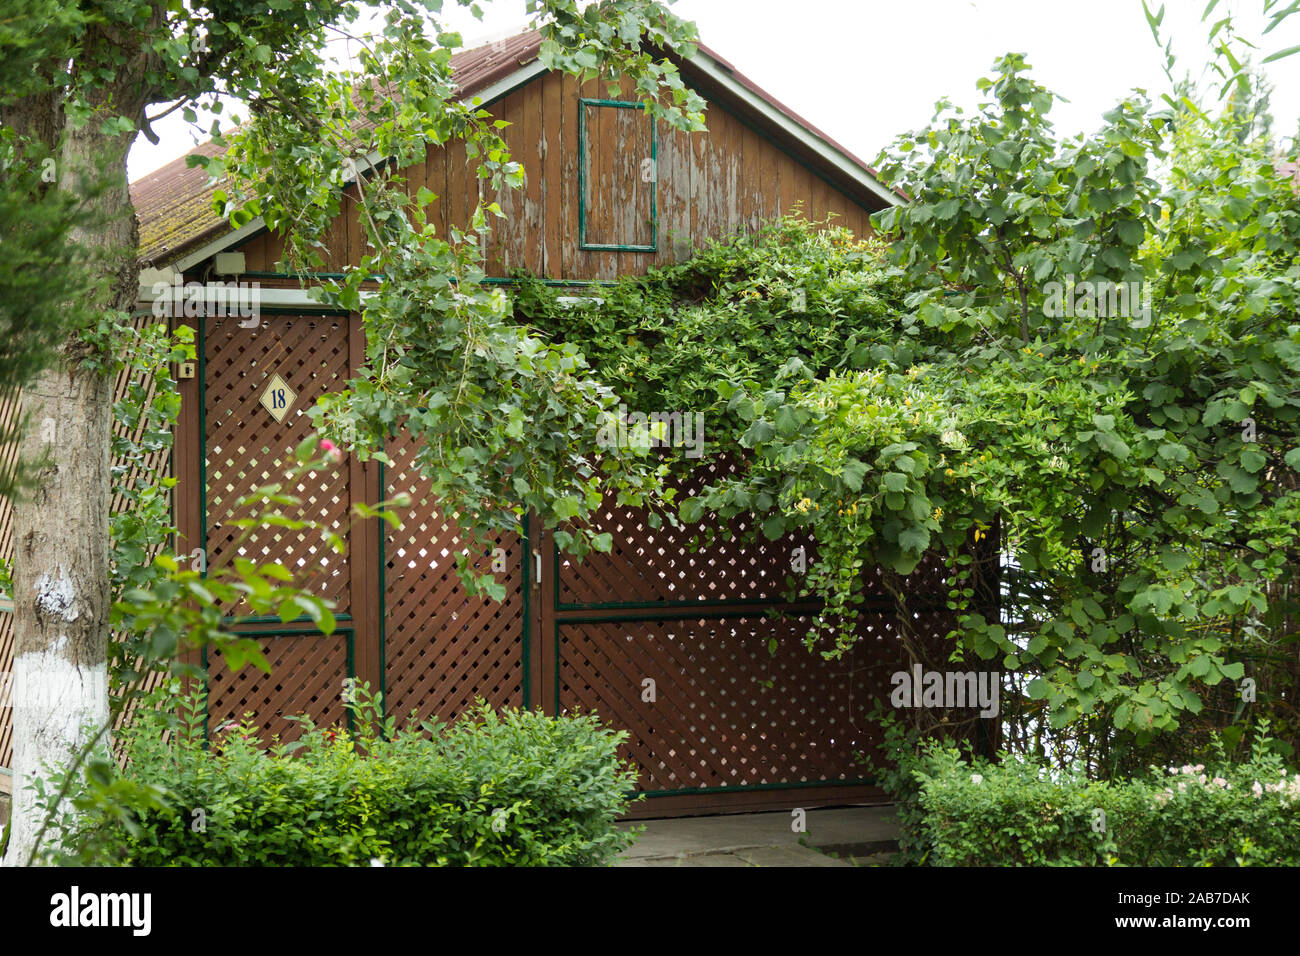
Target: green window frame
583, 104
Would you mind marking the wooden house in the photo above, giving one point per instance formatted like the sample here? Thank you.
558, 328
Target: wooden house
729, 726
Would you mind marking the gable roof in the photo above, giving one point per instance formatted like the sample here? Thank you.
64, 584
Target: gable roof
179, 226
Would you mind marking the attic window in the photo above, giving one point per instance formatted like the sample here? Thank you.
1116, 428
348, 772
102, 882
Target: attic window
618, 174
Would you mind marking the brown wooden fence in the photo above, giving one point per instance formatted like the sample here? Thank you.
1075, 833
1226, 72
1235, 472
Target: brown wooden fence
697, 655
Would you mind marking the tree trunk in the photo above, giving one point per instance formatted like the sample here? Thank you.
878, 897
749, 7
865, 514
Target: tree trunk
61, 527
61, 598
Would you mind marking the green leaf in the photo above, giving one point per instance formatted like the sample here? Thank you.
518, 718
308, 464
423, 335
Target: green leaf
894, 481
1288, 51
853, 474
915, 538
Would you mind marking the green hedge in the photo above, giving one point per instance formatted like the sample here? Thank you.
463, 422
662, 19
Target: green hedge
960, 812
509, 789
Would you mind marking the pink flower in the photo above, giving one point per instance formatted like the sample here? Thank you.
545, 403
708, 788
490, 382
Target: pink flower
331, 449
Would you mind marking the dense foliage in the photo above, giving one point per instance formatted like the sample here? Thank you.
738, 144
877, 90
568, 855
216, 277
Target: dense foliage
513, 788
1139, 466
1021, 812
1141, 460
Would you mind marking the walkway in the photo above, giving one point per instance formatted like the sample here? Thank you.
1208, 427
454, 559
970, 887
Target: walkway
852, 836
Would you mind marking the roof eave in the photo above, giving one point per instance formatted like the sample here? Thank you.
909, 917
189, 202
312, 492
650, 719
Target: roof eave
508, 78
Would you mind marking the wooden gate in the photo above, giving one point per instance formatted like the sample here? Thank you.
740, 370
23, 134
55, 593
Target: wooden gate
696, 654
239, 433
700, 657
405, 625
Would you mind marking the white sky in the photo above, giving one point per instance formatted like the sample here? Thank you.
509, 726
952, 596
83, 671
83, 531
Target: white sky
865, 71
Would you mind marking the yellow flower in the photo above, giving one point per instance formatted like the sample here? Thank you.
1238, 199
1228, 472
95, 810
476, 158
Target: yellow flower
803, 505
949, 472
938, 513
978, 534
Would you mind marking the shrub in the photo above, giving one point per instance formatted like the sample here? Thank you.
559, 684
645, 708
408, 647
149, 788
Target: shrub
960, 812
514, 788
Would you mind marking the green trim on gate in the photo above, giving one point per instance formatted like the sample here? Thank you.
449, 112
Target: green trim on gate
583, 103
526, 565
794, 785
351, 665
203, 459
383, 598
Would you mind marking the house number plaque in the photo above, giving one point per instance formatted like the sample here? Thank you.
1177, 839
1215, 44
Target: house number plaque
278, 398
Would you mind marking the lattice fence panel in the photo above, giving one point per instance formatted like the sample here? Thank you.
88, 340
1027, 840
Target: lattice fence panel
247, 448
6, 708
307, 677
657, 565
728, 712
444, 648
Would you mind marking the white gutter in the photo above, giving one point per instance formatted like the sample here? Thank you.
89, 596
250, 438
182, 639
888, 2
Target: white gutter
246, 231
222, 298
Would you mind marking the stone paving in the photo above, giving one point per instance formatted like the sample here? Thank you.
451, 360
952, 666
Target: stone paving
850, 836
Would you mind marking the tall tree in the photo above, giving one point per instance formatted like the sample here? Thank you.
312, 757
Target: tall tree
82, 80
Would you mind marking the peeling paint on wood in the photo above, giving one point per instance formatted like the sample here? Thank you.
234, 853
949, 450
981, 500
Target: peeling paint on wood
708, 184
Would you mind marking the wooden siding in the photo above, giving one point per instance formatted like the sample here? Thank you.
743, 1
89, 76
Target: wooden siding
708, 184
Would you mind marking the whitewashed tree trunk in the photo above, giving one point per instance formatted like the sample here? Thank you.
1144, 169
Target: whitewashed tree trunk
60, 585
61, 527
